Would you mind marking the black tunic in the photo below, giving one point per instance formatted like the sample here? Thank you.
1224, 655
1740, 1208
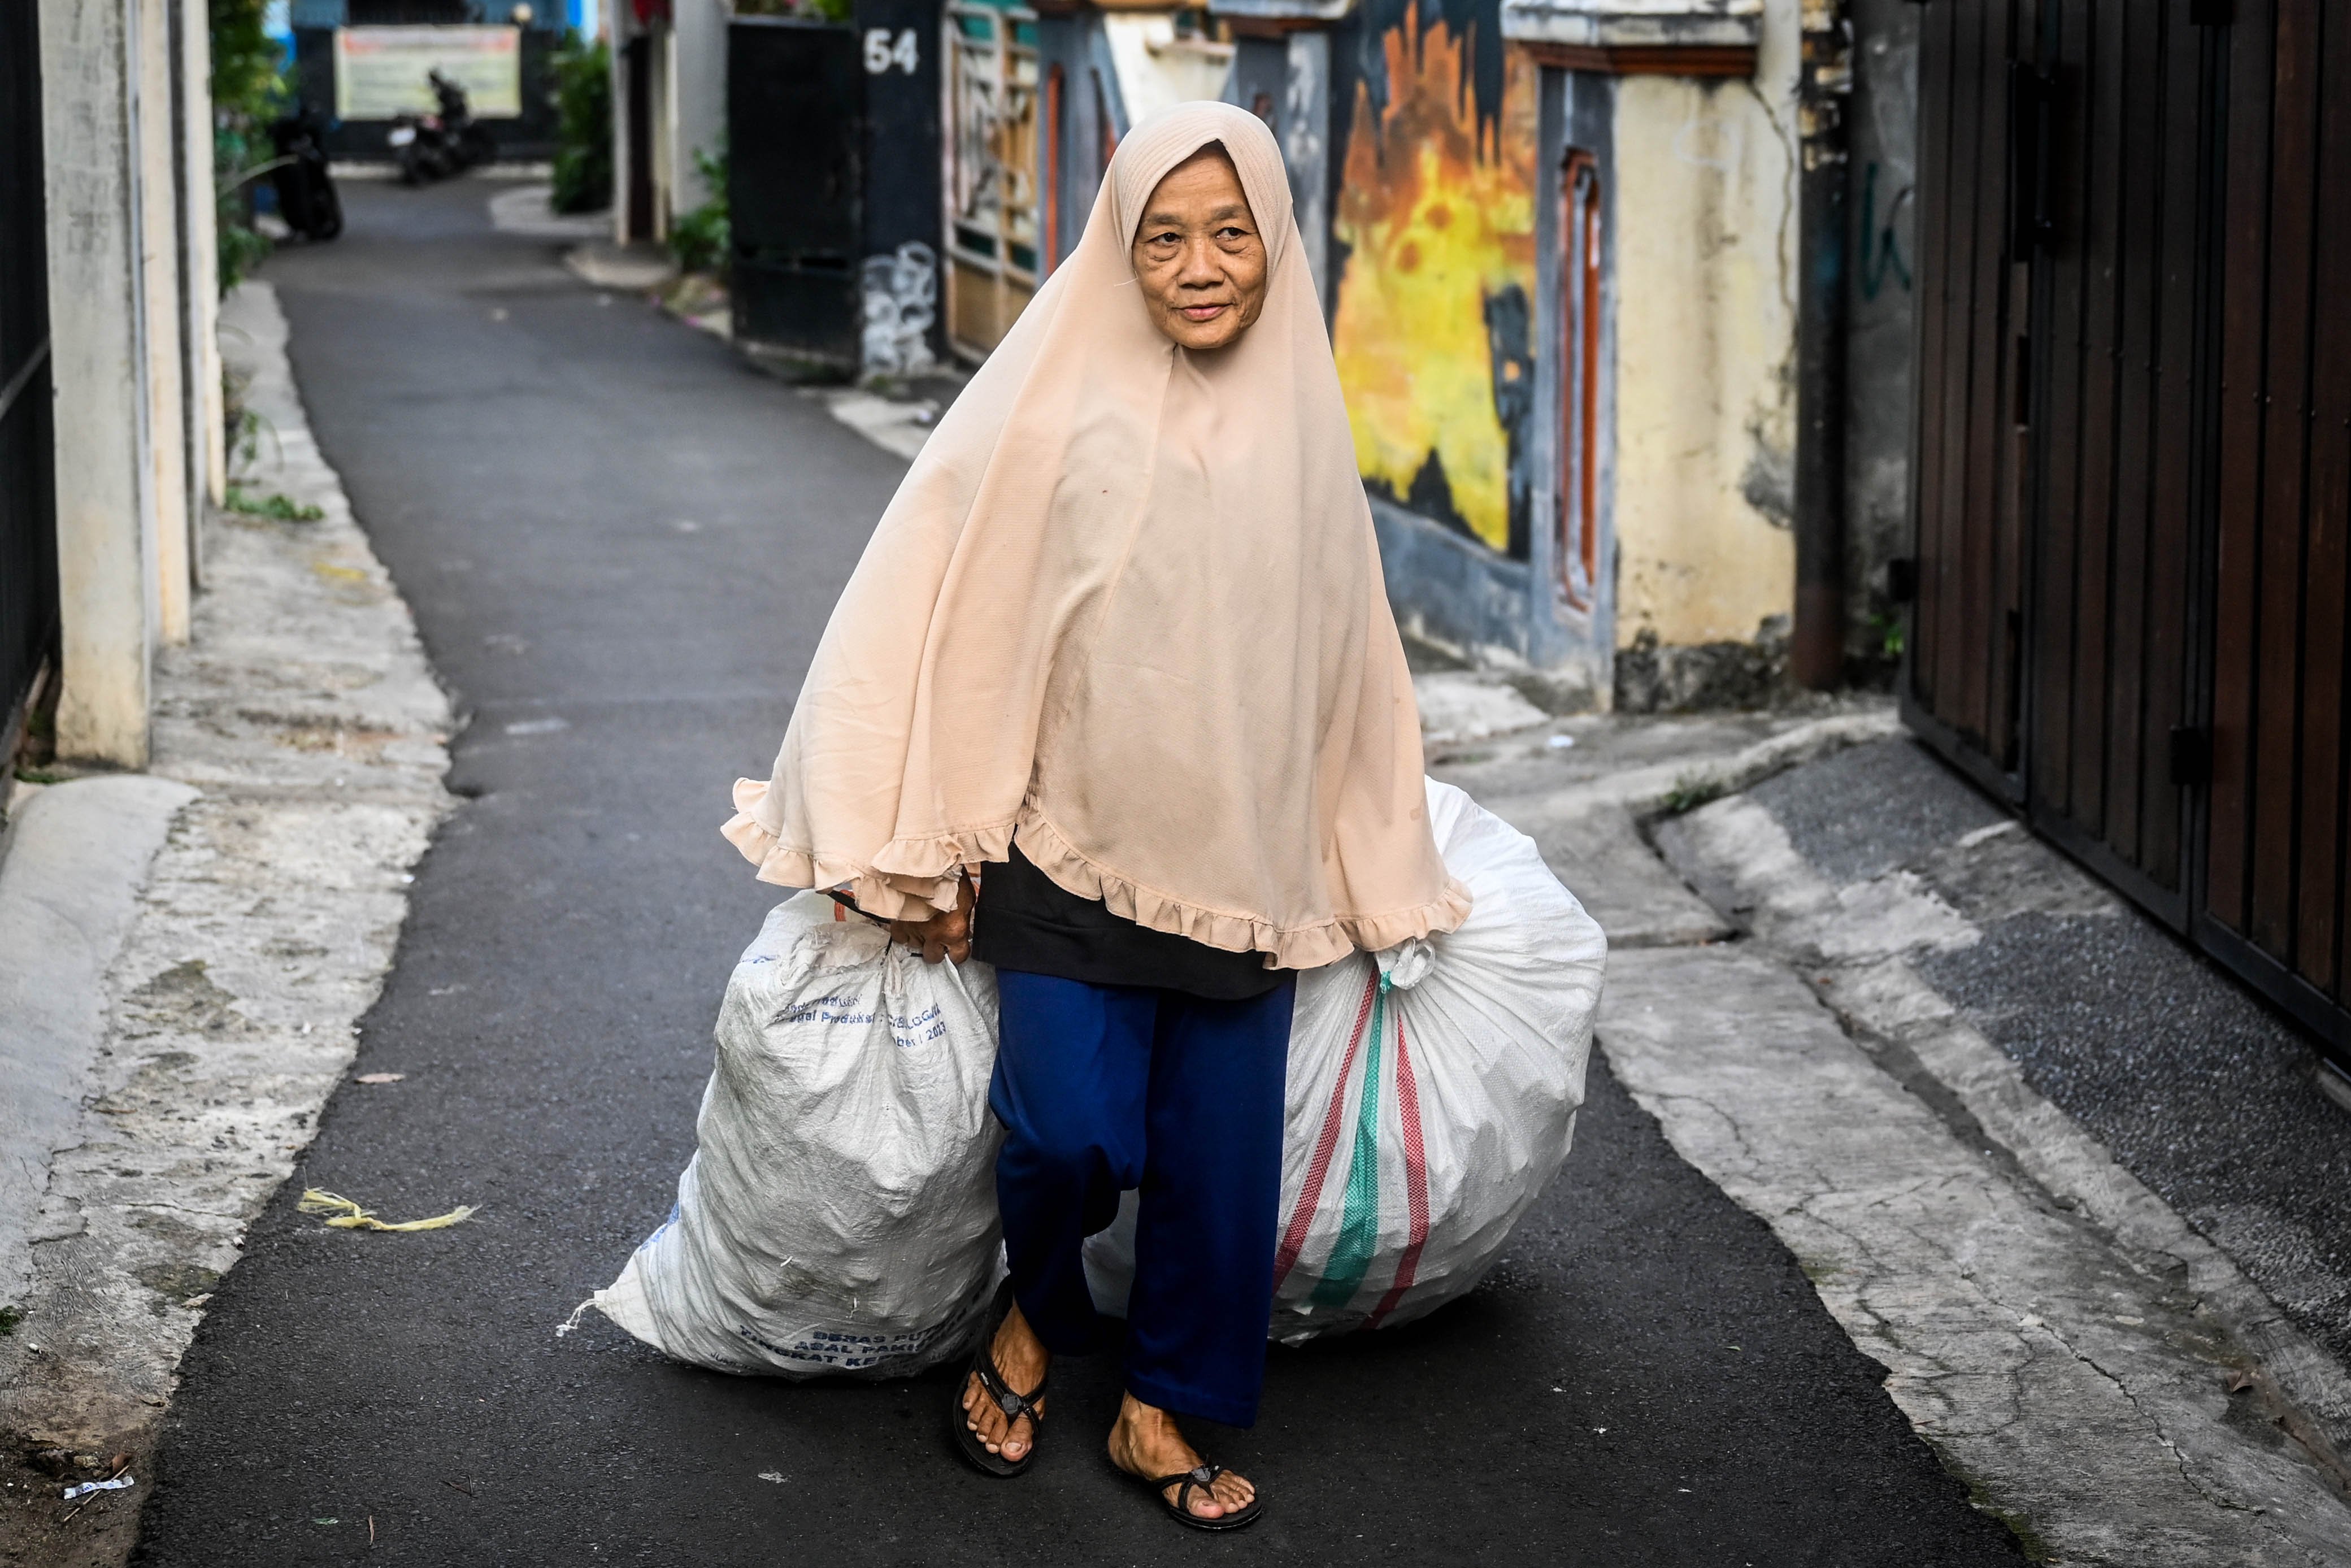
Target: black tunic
1027, 921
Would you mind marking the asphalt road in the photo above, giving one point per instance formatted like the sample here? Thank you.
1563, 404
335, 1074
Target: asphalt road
602, 519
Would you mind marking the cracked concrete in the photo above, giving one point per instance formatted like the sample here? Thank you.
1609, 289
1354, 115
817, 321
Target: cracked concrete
1579, 801
2096, 1370
2103, 1378
2070, 1384
303, 714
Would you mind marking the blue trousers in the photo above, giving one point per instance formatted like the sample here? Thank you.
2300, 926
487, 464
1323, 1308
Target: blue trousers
1105, 1088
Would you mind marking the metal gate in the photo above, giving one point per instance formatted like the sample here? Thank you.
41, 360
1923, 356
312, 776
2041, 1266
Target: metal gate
795, 136
2134, 453
28, 564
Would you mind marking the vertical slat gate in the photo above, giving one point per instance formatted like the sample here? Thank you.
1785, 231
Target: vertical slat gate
2274, 868
2134, 422
2323, 951
2098, 242
2078, 144
1963, 675
2114, 523
2164, 803
28, 571
2243, 374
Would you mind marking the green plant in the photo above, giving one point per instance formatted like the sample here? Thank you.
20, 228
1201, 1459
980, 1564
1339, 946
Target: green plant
814, 10
249, 91
9, 1318
277, 508
583, 113
1892, 639
703, 239
1691, 792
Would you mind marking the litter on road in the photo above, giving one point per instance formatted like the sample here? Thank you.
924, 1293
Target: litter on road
350, 1215
85, 1487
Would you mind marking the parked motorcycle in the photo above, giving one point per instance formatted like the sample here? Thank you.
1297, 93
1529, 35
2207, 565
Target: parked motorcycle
437, 146
305, 191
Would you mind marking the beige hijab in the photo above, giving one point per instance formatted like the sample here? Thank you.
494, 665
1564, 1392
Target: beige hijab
1127, 603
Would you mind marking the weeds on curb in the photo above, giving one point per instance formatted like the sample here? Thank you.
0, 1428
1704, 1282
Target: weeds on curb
277, 508
1691, 792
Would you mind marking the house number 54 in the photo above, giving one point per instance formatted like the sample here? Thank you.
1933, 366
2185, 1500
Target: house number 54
881, 54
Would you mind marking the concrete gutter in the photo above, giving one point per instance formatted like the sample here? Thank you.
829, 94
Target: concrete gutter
2106, 1382
71, 871
2064, 1339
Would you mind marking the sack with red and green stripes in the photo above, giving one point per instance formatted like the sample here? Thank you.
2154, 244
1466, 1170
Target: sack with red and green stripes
1432, 1096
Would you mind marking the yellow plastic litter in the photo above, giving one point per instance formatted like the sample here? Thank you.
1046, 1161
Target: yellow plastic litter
350, 1215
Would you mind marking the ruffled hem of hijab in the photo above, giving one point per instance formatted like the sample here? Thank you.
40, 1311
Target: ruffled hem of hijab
1292, 947
910, 878
913, 876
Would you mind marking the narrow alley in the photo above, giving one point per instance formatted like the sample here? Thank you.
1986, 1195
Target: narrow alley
620, 545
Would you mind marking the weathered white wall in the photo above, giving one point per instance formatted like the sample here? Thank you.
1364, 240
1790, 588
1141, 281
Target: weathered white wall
159, 272
207, 459
106, 547
696, 109
127, 129
661, 95
624, 165
1706, 333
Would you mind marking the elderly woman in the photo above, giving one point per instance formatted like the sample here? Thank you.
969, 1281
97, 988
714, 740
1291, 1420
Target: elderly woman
1120, 650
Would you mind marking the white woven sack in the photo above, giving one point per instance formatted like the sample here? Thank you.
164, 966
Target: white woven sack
1432, 1095
840, 1215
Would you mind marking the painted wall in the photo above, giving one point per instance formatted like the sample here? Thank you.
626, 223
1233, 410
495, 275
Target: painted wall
1706, 318
1433, 265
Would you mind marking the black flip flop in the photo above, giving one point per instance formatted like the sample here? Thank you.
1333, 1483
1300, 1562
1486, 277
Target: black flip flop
1015, 1407
1204, 1476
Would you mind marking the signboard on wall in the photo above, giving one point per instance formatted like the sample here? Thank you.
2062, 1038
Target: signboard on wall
381, 72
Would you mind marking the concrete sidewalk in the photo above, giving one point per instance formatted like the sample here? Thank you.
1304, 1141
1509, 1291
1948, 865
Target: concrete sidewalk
2104, 1378
183, 955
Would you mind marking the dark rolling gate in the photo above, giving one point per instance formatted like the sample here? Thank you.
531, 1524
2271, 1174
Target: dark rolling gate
28, 568
2134, 453
832, 131
795, 188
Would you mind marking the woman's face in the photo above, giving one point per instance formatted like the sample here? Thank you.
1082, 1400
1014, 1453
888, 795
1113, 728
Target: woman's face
1198, 255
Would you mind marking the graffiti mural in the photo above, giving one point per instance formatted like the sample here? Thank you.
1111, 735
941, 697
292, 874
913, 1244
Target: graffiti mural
902, 293
1437, 216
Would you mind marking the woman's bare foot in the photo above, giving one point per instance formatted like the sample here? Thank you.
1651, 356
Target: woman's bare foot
1146, 1443
1021, 1359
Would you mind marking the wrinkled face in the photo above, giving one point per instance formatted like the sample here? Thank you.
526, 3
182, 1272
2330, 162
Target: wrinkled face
1198, 255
